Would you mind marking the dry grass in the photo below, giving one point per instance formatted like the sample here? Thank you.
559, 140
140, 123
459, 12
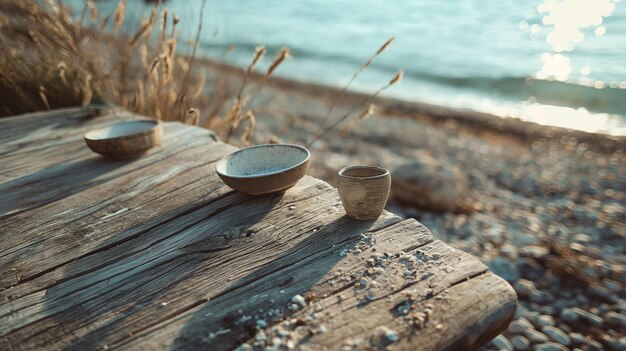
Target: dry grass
50, 59
345, 119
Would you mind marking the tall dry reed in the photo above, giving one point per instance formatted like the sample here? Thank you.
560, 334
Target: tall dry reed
323, 130
49, 59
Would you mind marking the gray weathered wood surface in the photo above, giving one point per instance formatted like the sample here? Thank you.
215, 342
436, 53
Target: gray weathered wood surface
157, 253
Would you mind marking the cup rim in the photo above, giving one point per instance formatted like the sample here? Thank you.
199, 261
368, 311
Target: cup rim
384, 172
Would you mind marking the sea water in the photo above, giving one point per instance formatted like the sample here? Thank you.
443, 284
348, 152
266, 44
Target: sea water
551, 62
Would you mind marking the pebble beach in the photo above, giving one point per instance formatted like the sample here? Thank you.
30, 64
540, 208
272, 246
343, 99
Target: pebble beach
547, 214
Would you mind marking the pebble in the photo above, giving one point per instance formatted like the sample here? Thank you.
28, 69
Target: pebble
577, 339
536, 337
534, 251
602, 293
495, 234
573, 314
615, 287
505, 268
550, 346
616, 344
532, 316
594, 345
622, 343
540, 297
524, 287
299, 300
392, 335
557, 335
520, 343
581, 238
244, 347
519, 326
500, 342
509, 251
615, 319
545, 320
548, 309
569, 315
383, 336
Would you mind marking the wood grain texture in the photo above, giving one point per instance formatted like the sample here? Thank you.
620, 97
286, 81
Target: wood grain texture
157, 253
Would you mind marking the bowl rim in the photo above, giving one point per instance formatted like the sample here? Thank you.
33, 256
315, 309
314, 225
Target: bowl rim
384, 172
155, 125
226, 157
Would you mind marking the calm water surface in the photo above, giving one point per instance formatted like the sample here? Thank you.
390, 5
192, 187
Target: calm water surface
552, 62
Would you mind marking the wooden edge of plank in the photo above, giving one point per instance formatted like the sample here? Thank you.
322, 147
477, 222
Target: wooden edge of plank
72, 112
470, 284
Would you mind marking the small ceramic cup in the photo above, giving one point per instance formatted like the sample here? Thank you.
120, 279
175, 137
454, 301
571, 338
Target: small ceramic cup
363, 190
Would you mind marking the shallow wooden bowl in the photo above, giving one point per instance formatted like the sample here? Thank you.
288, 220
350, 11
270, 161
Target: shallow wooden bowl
264, 169
125, 140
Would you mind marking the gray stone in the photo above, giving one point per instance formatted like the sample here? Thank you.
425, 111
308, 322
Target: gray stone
521, 311
615, 319
540, 297
505, 268
569, 315
566, 328
614, 344
495, 234
574, 314
588, 316
614, 286
509, 251
577, 339
520, 343
594, 344
582, 300
547, 309
557, 335
550, 346
603, 309
533, 317
621, 343
534, 251
578, 248
500, 342
545, 320
522, 239
519, 326
582, 238
429, 184
536, 337
594, 319
602, 292
524, 287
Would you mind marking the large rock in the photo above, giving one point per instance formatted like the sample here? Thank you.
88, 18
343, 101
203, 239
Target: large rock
429, 184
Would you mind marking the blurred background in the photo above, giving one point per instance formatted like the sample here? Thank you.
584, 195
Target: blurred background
551, 62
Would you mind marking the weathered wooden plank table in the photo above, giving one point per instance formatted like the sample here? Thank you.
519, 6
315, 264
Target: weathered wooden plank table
157, 253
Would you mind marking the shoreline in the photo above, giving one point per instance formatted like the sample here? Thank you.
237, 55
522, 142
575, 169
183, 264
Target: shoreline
475, 121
